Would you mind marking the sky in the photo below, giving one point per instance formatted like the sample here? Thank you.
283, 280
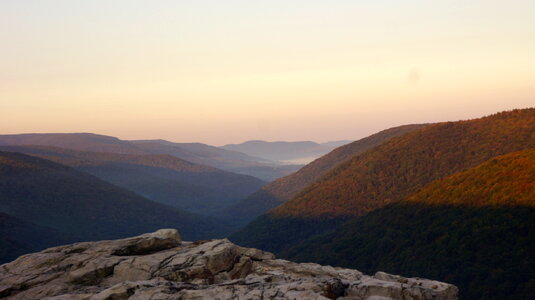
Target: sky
221, 72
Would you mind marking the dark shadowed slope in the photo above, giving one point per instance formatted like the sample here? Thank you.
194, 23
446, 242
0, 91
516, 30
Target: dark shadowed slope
19, 237
162, 178
388, 173
283, 189
474, 228
83, 207
283, 151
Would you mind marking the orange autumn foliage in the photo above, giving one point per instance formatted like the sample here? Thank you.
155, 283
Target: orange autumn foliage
401, 166
506, 180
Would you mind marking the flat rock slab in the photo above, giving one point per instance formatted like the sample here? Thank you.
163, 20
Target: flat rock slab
160, 266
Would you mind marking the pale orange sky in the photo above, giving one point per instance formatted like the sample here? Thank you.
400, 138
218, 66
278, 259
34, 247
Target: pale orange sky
228, 71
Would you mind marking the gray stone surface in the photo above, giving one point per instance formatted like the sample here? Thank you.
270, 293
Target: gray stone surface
160, 266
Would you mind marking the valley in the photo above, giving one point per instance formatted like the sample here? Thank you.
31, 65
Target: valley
417, 200
267, 150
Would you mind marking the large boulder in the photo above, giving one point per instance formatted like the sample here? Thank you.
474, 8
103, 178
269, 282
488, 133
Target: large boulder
161, 266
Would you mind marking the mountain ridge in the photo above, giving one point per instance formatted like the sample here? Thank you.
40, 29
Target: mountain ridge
231, 161
162, 178
403, 164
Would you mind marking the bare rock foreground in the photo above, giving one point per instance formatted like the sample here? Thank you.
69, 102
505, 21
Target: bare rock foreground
160, 266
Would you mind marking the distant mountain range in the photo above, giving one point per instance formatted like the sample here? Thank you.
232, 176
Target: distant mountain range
289, 152
404, 198
194, 152
76, 141
162, 178
77, 206
228, 160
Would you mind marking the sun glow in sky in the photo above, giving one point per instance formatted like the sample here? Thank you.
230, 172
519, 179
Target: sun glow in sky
228, 71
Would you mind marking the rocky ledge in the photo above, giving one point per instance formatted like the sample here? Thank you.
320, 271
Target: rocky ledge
160, 266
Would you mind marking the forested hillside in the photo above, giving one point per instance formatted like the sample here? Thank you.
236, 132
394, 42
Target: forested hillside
402, 165
388, 173
474, 229
284, 188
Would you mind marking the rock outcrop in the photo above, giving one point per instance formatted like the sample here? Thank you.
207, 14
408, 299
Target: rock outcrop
161, 266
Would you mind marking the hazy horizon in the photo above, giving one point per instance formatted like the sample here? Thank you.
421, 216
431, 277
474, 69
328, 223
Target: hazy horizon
256, 139
220, 73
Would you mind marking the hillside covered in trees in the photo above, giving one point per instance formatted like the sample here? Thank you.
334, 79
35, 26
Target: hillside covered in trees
280, 190
474, 229
388, 173
402, 165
